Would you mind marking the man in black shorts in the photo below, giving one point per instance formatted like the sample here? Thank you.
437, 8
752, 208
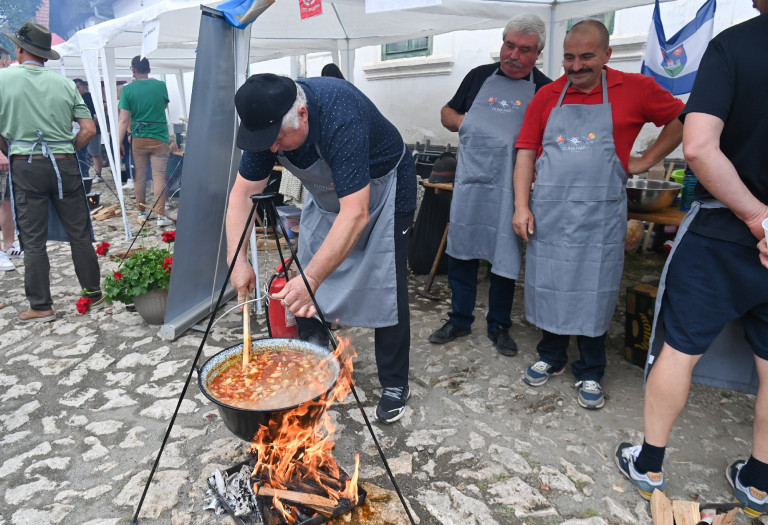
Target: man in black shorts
716, 274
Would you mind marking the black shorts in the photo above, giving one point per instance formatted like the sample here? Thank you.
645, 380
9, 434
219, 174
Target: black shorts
710, 283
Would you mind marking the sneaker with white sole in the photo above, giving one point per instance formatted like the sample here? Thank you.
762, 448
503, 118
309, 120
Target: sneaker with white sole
755, 501
141, 217
15, 251
128, 184
539, 373
590, 394
392, 403
5, 262
164, 221
625, 457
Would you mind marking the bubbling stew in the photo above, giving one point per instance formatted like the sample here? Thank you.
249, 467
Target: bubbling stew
273, 379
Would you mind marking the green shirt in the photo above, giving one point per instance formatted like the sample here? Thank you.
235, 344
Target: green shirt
33, 98
146, 100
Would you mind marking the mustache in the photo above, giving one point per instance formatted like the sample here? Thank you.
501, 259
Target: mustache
583, 70
513, 62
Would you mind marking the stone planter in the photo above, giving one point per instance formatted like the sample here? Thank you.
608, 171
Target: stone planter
151, 306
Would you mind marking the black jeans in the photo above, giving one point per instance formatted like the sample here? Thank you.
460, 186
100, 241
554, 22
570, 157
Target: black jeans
392, 343
462, 276
34, 186
591, 364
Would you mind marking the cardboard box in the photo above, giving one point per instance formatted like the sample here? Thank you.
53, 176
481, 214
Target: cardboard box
641, 301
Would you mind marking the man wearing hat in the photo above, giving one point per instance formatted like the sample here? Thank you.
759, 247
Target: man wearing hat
356, 219
44, 171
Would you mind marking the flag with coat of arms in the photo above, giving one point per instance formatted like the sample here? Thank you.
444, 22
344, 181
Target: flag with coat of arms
674, 62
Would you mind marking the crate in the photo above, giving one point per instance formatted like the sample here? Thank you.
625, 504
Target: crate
641, 301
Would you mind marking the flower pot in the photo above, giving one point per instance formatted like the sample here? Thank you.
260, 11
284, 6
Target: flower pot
151, 305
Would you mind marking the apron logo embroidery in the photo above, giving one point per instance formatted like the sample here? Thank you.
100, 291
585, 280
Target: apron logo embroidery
576, 143
504, 106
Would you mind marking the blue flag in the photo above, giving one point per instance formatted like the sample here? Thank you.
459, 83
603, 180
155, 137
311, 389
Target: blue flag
674, 62
240, 13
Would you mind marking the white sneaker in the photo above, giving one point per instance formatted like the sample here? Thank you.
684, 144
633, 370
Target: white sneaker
15, 251
5, 263
164, 221
128, 185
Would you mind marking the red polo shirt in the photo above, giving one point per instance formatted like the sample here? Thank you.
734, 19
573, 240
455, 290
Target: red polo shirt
635, 99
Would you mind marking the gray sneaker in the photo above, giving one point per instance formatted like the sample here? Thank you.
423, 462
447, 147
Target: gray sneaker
625, 457
539, 372
756, 501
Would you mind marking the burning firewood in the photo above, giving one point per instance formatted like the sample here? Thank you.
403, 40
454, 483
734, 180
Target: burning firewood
324, 506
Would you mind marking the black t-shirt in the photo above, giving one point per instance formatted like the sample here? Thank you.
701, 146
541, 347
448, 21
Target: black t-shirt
470, 86
731, 85
89, 102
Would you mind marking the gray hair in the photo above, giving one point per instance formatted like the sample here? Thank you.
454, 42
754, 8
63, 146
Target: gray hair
291, 119
527, 24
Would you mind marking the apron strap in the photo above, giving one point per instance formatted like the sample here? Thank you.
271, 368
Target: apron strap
45, 150
568, 83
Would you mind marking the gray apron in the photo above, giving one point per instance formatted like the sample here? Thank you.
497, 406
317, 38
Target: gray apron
483, 197
575, 257
56, 231
729, 361
362, 291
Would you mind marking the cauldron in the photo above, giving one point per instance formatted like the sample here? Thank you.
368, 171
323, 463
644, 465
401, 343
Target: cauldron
245, 423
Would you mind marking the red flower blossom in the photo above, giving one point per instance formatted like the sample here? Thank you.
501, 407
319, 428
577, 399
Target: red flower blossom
84, 305
168, 264
103, 248
169, 236
117, 275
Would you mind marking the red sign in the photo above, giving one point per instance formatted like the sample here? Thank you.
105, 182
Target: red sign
310, 8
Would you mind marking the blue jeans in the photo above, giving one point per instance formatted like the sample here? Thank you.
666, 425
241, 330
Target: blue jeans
591, 365
462, 277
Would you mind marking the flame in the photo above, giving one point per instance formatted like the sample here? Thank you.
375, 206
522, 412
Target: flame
294, 449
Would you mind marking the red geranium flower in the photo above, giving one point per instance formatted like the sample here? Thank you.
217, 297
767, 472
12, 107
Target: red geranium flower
117, 275
103, 248
84, 305
169, 236
168, 264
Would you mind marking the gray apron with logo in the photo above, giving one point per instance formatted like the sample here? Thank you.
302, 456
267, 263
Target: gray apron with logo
729, 361
575, 257
483, 197
362, 291
56, 231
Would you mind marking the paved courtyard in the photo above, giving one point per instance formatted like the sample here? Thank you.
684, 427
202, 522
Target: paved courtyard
85, 402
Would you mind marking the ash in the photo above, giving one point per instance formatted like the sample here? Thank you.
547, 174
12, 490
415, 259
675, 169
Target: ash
232, 494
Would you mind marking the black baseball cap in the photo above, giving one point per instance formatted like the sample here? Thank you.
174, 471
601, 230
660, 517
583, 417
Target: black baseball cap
262, 102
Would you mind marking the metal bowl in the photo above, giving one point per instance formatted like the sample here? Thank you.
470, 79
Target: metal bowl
651, 195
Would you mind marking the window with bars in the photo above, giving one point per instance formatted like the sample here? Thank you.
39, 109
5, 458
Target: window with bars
416, 47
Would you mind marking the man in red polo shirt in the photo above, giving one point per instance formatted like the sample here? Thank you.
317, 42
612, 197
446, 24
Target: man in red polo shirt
575, 222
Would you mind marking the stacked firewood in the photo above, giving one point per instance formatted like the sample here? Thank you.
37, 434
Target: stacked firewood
680, 512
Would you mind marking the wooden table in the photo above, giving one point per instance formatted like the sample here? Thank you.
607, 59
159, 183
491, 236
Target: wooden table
671, 216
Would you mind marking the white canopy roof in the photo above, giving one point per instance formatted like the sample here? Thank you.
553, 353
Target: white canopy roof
280, 32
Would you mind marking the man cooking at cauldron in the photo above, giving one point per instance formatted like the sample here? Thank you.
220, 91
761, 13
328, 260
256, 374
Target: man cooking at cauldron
355, 221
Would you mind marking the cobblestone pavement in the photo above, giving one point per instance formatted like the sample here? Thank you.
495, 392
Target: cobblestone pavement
86, 400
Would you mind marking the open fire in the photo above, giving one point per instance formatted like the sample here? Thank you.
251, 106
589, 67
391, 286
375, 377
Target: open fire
294, 464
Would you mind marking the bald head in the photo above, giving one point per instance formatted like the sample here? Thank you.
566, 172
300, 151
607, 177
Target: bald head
591, 26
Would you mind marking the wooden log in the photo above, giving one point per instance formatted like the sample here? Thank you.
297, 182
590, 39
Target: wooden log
661, 509
317, 503
686, 512
725, 519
